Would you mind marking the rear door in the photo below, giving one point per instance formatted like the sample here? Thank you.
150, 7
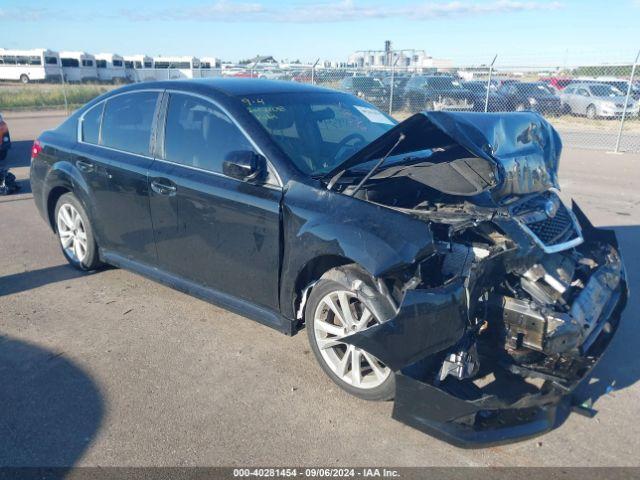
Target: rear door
114, 156
217, 231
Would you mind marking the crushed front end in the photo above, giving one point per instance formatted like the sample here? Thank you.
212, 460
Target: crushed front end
494, 331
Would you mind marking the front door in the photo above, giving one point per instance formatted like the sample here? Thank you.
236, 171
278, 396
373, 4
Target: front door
217, 231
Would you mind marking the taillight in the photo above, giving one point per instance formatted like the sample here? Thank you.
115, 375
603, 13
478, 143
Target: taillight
36, 149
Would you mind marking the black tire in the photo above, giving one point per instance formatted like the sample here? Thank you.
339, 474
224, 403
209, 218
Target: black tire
91, 261
592, 113
24, 78
341, 278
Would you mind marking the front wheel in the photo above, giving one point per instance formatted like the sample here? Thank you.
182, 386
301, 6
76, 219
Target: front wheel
333, 312
591, 112
24, 79
75, 233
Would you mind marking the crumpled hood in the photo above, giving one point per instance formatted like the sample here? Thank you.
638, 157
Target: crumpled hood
523, 146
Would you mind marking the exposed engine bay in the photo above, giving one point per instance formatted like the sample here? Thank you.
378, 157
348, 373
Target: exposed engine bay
536, 289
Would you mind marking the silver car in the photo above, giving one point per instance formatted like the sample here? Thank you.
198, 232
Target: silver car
596, 100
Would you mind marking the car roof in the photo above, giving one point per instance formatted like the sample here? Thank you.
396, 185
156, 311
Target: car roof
234, 86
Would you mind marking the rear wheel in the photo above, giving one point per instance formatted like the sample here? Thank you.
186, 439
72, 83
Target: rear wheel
75, 233
333, 312
24, 78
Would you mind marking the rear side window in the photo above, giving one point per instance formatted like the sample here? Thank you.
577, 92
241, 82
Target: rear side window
91, 125
197, 134
127, 121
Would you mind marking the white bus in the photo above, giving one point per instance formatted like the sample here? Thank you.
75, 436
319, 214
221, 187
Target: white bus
110, 67
30, 65
176, 67
78, 66
139, 68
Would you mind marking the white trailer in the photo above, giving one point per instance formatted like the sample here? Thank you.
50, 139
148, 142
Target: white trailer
210, 67
139, 68
78, 66
168, 68
30, 65
110, 68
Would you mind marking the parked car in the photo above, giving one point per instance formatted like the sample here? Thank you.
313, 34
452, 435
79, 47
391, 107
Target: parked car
535, 96
437, 92
399, 84
558, 83
496, 101
421, 262
5, 139
368, 88
597, 100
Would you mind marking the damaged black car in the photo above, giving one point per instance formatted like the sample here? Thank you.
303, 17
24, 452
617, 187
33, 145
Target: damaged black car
431, 261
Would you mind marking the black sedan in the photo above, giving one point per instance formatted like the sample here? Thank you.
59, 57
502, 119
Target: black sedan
421, 262
535, 96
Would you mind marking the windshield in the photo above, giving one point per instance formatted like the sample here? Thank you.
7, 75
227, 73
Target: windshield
537, 89
318, 131
443, 83
605, 91
366, 82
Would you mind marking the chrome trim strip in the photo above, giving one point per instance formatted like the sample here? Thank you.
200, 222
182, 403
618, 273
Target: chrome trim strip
561, 246
218, 174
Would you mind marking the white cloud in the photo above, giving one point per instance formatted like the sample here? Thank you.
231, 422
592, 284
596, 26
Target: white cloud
338, 11
319, 11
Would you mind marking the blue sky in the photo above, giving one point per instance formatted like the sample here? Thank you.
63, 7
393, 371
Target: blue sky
521, 32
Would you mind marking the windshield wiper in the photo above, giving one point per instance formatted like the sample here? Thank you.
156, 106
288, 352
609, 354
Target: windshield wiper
379, 163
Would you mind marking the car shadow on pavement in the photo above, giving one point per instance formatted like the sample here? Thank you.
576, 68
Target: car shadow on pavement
619, 367
20, 282
50, 408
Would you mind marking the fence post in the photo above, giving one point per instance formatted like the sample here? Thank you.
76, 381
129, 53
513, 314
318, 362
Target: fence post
486, 98
626, 103
64, 92
392, 87
313, 72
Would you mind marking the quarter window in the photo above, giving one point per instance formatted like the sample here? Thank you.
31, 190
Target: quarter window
91, 124
197, 134
127, 122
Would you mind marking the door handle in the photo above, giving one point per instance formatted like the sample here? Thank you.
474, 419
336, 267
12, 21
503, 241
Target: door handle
84, 166
162, 186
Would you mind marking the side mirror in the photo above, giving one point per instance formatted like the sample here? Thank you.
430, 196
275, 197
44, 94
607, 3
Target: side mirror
244, 165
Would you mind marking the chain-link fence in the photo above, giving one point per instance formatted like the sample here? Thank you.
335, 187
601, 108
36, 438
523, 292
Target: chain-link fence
594, 107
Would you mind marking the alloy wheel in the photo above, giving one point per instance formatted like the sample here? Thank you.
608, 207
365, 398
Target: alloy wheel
72, 232
337, 315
